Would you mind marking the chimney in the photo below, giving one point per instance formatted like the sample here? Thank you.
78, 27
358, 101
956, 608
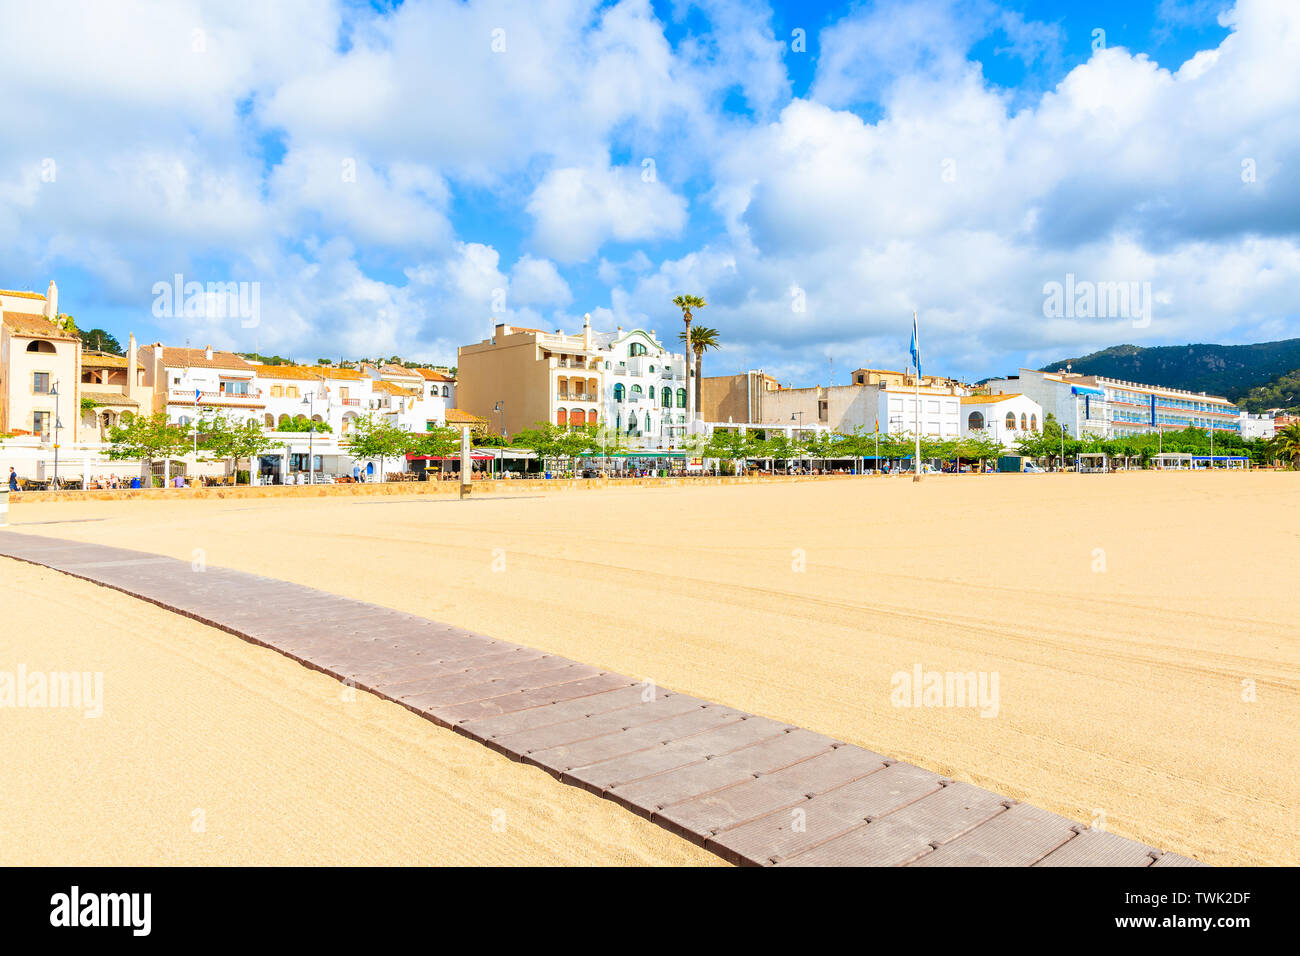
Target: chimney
132, 354
586, 330
207, 353
52, 301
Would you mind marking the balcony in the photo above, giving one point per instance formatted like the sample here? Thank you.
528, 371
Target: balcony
185, 396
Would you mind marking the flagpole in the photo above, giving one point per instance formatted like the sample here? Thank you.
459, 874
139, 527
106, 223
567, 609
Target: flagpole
916, 348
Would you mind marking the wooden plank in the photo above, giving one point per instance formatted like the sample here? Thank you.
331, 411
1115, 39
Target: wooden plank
1020, 837
824, 816
540, 677
574, 731
710, 813
648, 795
568, 756
681, 752
510, 703
487, 728
1098, 848
906, 834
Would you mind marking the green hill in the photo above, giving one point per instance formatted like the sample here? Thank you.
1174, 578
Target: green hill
1264, 375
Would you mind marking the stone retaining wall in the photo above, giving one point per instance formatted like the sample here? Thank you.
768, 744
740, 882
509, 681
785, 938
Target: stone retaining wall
486, 486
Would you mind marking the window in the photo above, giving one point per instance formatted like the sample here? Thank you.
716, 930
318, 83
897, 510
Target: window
1024, 422
40, 346
40, 423
176, 379
636, 392
41, 383
561, 417
618, 392
652, 371
1011, 420
823, 411
975, 421
636, 348
647, 421
681, 398
291, 391
270, 421
430, 425
577, 417
667, 394
652, 391
862, 380
1033, 423
445, 392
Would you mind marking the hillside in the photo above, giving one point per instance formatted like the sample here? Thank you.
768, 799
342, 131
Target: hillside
1271, 369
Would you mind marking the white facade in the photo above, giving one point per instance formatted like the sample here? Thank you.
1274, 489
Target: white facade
1256, 426
1005, 418
1110, 408
643, 394
940, 412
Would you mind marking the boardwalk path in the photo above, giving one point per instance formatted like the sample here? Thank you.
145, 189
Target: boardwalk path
753, 790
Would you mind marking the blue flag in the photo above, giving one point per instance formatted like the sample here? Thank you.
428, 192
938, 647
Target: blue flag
916, 352
197, 393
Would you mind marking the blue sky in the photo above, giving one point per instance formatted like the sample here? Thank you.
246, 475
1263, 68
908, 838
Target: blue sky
396, 177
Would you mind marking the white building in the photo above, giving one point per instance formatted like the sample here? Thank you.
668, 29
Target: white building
940, 411
190, 384
1256, 426
1005, 418
1113, 408
643, 393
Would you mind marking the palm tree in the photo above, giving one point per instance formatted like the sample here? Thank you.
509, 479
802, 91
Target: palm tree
1286, 444
702, 339
688, 303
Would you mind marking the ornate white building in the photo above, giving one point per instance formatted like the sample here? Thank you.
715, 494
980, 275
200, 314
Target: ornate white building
644, 386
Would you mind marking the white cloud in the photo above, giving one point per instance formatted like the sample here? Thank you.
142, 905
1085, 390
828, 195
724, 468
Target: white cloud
538, 282
225, 159
578, 209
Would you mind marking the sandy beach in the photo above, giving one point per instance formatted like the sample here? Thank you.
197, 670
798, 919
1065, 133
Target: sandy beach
1141, 629
211, 751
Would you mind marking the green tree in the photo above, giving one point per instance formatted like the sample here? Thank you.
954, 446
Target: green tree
1286, 445
226, 439
147, 438
98, 340
377, 438
301, 423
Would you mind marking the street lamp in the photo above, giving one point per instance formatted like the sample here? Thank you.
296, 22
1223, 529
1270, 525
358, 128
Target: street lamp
58, 424
310, 402
799, 413
500, 408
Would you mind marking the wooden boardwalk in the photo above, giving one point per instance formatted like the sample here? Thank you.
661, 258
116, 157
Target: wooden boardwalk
752, 790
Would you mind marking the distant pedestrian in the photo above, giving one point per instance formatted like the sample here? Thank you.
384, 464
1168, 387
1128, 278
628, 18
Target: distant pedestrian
13, 479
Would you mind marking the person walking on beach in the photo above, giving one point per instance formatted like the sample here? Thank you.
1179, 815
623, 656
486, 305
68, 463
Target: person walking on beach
13, 479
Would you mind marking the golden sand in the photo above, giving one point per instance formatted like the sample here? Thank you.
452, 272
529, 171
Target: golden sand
1127, 617
210, 750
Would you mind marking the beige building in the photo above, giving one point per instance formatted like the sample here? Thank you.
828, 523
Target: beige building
520, 377
877, 398
735, 398
38, 356
891, 379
